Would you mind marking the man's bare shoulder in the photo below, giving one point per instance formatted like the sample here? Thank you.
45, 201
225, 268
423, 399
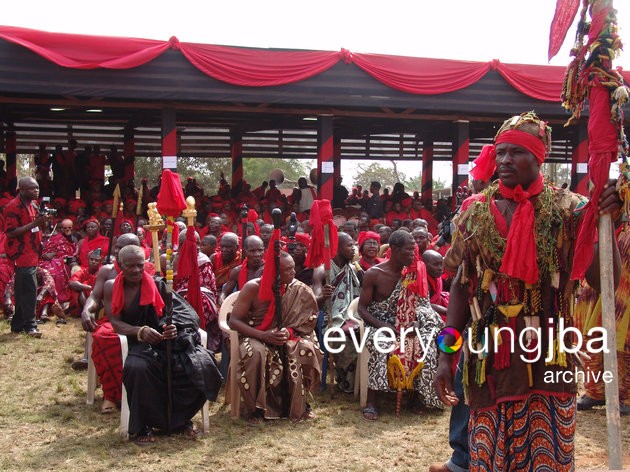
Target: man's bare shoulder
377, 270
106, 272
234, 273
251, 286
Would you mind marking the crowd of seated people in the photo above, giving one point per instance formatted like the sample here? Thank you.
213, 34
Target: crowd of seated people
79, 262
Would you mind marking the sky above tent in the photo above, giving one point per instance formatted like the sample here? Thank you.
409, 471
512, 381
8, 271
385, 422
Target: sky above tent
509, 30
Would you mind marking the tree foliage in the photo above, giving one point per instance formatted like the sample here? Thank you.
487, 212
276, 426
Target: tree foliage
388, 176
207, 171
439, 184
375, 171
558, 173
255, 170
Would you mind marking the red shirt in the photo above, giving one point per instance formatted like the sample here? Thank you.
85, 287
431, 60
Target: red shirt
24, 250
83, 276
392, 215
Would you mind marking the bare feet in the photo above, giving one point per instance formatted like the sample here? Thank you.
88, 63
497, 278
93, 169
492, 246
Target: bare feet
439, 468
108, 407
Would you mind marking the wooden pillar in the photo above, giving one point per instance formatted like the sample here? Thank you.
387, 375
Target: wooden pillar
579, 161
337, 158
169, 139
427, 170
325, 158
236, 144
10, 149
129, 154
461, 152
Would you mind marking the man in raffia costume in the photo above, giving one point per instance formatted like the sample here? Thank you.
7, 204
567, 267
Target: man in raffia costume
513, 253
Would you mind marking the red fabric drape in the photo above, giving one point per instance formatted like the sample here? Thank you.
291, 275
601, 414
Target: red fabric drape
170, 199
562, 20
80, 51
268, 278
318, 254
188, 266
602, 148
257, 67
420, 75
264, 68
541, 82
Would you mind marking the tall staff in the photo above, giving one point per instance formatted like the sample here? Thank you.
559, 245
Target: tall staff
244, 214
171, 203
115, 210
276, 216
139, 205
323, 248
591, 76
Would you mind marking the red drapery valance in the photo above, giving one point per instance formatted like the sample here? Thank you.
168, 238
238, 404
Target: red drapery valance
421, 75
257, 67
264, 68
80, 51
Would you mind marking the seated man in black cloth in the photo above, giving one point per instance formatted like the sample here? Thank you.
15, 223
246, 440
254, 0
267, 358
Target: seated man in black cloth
134, 304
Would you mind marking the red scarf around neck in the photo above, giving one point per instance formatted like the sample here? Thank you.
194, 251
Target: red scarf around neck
149, 294
242, 275
519, 259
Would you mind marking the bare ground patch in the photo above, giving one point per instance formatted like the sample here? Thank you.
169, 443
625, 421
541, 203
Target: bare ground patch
46, 425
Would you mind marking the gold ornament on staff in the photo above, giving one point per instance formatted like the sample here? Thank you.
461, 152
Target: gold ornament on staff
190, 213
169, 253
155, 224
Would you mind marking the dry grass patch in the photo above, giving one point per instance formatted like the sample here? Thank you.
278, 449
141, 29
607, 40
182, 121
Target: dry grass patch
46, 425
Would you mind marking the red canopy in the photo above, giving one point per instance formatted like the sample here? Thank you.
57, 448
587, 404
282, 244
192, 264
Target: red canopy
251, 67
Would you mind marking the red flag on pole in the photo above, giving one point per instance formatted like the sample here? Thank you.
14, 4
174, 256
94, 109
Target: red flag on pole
319, 252
562, 19
171, 200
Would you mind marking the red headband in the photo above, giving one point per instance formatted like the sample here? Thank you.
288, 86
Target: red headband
526, 140
303, 238
365, 235
90, 220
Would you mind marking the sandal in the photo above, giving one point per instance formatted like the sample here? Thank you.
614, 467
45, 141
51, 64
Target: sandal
190, 431
146, 438
370, 413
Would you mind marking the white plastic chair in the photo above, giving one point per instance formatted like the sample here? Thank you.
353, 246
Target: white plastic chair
232, 394
361, 374
124, 404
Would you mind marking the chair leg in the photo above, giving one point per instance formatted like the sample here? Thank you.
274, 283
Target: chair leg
205, 417
357, 379
235, 394
363, 361
91, 373
124, 403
